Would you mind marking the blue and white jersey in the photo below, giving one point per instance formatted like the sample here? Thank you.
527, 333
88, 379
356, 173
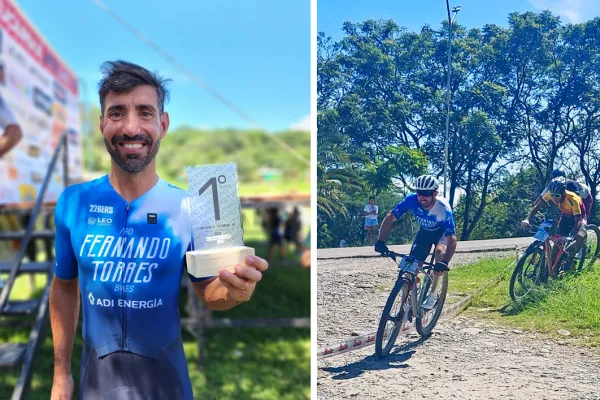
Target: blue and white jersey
129, 258
438, 217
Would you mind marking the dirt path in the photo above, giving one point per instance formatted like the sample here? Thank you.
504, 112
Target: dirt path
464, 358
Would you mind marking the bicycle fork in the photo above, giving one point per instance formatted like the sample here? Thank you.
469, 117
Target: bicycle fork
411, 307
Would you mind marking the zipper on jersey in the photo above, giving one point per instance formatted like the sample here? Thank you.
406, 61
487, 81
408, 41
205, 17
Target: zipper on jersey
123, 328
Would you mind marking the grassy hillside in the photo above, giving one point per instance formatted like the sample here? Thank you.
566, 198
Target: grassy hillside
262, 164
571, 303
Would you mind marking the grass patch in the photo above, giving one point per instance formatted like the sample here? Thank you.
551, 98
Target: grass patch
240, 363
571, 303
467, 279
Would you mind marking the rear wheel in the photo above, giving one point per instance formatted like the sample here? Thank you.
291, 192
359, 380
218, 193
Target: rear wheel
528, 273
427, 319
392, 317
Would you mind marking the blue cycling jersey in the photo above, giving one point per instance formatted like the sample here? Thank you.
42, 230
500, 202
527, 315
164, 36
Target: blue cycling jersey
129, 258
438, 217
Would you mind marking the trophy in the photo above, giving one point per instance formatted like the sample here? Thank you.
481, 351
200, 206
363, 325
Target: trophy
218, 237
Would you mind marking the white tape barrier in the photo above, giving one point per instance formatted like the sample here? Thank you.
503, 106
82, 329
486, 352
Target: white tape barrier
359, 342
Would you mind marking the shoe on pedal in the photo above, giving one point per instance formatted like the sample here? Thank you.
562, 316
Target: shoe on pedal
430, 302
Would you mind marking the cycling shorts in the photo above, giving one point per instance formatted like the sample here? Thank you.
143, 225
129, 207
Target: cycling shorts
123, 375
425, 240
567, 223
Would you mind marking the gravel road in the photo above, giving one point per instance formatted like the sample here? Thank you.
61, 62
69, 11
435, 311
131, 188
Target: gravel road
465, 358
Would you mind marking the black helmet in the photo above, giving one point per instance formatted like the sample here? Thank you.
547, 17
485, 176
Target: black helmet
557, 186
558, 172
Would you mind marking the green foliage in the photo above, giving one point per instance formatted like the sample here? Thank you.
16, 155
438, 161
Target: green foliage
252, 150
508, 204
525, 96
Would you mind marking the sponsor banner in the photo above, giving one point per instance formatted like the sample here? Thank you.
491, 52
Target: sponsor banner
40, 94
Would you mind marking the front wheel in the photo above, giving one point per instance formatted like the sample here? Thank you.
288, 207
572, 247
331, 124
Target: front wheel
426, 319
528, 273
592, 244
391, 318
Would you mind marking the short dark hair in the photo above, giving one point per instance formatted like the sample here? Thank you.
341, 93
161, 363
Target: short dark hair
122, 77
371, 198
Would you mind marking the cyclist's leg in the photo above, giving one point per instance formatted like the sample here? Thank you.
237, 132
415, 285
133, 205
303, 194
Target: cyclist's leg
566, 225
588, 202
424, 240
579, 237
421, 245
441, 244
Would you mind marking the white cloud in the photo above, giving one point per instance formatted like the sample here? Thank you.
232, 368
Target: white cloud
574, 11
302, 125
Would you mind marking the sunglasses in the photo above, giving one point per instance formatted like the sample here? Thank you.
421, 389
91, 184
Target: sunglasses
425, 193
556, 195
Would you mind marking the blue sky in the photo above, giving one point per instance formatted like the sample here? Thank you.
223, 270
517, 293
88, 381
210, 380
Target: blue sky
255, 53
331, 14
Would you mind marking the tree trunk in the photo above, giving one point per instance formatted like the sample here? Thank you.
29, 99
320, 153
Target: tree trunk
468, 199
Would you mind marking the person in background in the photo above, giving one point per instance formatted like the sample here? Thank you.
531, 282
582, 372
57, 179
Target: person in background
272, 226
11, 130
10, 138
345, 242
370, 212
291, 229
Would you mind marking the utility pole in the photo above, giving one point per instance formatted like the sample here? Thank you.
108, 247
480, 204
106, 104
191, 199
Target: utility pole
454, 11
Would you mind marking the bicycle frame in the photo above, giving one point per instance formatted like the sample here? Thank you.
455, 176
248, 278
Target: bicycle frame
558, 241
414, 302
413, 282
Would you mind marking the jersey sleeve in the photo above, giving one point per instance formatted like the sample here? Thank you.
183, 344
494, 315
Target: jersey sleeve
66, 262
547, 196
575, 205
408, 203
449, 227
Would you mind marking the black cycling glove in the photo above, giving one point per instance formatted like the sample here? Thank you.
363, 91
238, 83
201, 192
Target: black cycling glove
380, 247
440, 266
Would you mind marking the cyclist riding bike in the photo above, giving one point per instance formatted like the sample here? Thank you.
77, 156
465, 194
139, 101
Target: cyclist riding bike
573, 214
436, 223
578, 188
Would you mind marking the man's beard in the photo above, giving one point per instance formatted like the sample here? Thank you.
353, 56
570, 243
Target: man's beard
132, 163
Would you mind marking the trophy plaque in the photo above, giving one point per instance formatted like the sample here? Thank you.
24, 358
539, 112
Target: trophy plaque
216, 220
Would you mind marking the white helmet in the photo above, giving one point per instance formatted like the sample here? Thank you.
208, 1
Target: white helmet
427, 182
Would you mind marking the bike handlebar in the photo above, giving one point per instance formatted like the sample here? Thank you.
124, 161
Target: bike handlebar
392, 254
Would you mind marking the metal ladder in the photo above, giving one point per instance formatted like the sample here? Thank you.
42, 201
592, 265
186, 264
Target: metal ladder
18, 312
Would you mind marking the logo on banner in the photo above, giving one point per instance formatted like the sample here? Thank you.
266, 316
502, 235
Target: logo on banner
60, 93
42, 101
